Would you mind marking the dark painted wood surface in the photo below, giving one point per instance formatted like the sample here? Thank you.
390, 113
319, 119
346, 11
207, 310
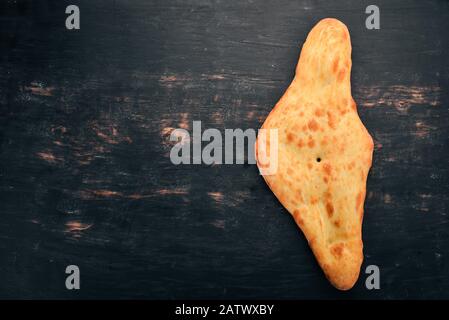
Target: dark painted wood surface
85, 177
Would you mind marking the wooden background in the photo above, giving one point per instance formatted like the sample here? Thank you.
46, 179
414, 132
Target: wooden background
85, 176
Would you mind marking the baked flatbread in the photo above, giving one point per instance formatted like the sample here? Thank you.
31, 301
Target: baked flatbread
324, 153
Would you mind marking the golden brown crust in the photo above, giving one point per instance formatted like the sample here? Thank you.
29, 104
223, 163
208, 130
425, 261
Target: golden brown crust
324, 153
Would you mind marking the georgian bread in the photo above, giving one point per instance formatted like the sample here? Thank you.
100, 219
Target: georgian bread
324, 153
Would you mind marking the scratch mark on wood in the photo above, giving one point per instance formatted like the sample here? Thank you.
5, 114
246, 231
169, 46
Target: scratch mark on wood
40, 89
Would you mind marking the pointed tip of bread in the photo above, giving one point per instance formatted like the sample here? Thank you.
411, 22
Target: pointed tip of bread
341, 264
331, 22
344, 278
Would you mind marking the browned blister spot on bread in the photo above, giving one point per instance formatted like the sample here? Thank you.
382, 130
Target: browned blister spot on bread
341, 75
359, 201
313, 125
337, 250
311, 142
324, 153
327, 168
319, 112
297, 216
330, 209
335, 65
331, 120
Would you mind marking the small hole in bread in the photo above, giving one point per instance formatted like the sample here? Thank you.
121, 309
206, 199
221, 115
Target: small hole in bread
318, 159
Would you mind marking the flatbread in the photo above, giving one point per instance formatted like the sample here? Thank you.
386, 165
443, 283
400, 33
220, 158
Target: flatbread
324, 153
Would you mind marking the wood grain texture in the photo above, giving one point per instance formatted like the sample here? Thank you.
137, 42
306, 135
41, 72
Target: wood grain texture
85, 176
